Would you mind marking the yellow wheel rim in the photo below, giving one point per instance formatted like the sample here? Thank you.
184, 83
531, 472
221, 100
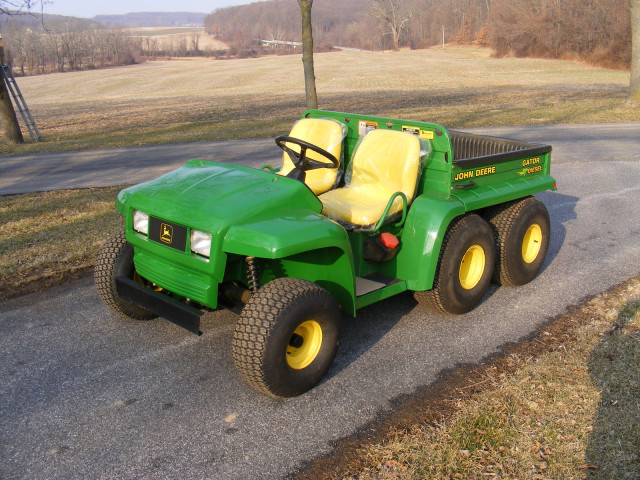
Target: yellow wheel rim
472, 267
531, 243
304, 344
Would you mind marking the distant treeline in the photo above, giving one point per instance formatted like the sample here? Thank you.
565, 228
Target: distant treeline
60, 44
66, 43
594, 30
597, 31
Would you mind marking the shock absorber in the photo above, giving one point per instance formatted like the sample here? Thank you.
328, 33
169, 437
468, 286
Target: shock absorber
252, 273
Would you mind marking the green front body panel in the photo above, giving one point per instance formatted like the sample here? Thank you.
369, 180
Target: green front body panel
249, 213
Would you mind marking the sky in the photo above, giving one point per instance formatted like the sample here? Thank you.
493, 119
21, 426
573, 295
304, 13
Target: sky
91, 8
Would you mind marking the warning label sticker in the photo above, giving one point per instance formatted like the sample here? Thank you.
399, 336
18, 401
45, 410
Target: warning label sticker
365, 127
412, 130
425, 134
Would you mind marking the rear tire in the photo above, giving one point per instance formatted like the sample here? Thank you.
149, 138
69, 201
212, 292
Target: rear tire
286, 337
522, 231
465, 267
116, 260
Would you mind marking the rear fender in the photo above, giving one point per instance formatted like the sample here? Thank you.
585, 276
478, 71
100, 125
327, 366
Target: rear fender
427, 223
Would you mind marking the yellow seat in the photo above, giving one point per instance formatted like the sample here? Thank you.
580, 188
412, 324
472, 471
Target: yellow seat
326, 134
385, 162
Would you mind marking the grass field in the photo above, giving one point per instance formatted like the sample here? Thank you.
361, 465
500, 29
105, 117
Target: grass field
169, 37
204, 99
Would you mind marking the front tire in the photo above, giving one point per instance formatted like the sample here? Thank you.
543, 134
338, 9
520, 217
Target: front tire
522, 231
465, 267
116, 260
286, 337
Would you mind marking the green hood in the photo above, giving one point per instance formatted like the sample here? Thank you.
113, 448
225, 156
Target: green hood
212, 196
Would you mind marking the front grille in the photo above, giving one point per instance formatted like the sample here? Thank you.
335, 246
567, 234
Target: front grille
187, 283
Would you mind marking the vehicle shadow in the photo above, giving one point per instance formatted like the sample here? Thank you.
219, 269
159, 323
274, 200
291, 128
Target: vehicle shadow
370, 325
613, 446
562, 209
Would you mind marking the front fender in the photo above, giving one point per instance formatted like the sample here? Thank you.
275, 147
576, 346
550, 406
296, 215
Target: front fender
300, 244
285, 235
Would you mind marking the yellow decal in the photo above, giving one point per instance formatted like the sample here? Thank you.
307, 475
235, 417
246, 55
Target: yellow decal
531, 161
481, 172
166, 233
426, 134
478, 172
463, 176
527, 170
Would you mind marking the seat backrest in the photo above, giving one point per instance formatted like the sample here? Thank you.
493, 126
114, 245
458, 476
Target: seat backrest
388, 159
326, 134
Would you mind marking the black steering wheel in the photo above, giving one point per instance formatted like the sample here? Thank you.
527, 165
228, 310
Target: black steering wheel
300, 160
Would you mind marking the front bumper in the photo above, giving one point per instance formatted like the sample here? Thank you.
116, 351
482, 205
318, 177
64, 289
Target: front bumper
162, 305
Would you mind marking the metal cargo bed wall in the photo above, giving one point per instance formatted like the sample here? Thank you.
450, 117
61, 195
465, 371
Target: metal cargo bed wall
472, 150
466, 145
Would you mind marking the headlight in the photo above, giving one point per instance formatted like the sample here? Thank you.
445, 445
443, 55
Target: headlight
201, 243
141, 222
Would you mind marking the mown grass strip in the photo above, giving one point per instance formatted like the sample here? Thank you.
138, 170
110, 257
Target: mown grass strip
45, 237
564, 405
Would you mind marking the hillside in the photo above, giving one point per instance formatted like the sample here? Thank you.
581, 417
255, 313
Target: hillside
280, 20
598, 32
154, 19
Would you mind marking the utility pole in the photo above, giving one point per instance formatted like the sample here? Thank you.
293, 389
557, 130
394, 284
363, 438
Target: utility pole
7, 113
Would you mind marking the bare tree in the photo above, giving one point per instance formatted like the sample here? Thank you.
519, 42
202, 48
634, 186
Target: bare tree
7, 113
195, 41
16, 7
634, 86
391, 16
307, 54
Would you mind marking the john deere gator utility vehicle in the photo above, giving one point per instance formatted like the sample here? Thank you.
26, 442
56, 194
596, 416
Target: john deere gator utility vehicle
361, 208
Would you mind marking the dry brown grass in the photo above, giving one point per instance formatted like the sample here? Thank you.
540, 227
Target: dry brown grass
46, 237
569, 412
204, 99
169, 37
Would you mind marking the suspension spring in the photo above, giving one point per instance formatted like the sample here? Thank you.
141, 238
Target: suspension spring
252, 273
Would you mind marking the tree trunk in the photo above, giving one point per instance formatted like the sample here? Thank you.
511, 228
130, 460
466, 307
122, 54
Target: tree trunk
307, 54
7, 113
634, 85
396, 39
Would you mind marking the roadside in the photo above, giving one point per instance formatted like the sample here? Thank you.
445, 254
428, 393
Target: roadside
561, 404
49, 238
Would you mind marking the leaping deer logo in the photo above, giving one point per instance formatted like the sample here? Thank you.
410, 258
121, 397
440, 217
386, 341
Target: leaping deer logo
166, 233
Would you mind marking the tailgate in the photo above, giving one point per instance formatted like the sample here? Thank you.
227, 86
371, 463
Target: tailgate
490, 170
